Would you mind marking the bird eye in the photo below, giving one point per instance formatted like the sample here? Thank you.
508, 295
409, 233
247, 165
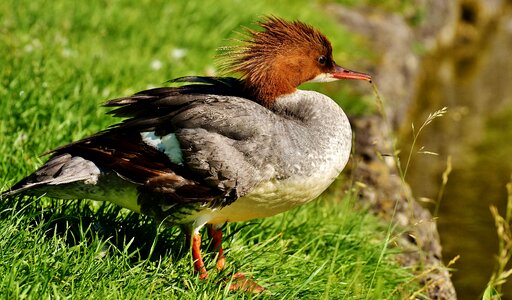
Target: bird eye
322, 60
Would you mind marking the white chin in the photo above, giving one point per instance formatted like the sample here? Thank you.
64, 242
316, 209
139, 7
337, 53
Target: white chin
323, 77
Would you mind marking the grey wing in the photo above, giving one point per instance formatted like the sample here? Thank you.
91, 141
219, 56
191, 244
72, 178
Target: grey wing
224, 140
227, 142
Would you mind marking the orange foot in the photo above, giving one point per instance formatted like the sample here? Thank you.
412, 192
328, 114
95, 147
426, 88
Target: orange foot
237, 282
240, 282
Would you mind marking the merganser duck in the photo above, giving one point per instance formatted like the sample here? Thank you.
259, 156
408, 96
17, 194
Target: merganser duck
218, 149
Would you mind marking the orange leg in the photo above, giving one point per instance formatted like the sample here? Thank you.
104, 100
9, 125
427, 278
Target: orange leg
215, 234
238, 281
196, 255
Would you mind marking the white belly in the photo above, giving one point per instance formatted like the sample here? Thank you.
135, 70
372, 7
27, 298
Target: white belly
265, 200
272, 198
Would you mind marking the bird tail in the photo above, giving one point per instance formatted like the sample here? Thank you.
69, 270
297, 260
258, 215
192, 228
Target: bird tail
58, 170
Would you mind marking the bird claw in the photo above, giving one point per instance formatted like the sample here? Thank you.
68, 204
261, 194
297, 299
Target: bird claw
240, 282
221, 262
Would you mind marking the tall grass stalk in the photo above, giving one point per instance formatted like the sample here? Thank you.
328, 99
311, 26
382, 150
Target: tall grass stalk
501, 272
403, 173
415, 134
380, 106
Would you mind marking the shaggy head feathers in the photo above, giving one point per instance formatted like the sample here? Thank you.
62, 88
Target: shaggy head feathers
274, 61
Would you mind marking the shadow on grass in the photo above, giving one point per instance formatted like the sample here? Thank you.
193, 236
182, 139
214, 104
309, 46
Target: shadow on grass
74, 221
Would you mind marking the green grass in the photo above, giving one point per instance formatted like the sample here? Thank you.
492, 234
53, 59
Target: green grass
59, 61
324, 250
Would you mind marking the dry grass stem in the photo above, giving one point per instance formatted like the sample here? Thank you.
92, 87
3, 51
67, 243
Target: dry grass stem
501, 273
